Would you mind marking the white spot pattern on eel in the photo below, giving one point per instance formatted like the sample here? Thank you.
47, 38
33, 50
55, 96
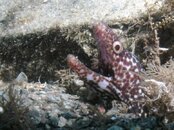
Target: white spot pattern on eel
125, 80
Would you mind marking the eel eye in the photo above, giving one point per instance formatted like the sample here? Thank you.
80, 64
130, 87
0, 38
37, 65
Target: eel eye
117, 47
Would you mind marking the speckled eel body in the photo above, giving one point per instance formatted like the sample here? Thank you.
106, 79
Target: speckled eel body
120, 69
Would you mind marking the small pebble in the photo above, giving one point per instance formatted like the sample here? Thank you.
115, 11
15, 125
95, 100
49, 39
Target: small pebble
1, 110
22, 77
78, 82
115, 127
62, 122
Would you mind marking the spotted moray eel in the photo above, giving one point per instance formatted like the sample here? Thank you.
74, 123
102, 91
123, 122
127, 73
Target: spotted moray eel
120, 69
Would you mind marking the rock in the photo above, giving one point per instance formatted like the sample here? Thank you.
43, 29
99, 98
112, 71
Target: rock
47, 127
4, 97
35, 116
35, 96
170, 126
24, 17
70, 122
55, 109
115, 127
53, 121
62, 122
51, 108
1, 110
78, 82
149, 122
135, 128
68, 115
53, 99
83, 123
22, 77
